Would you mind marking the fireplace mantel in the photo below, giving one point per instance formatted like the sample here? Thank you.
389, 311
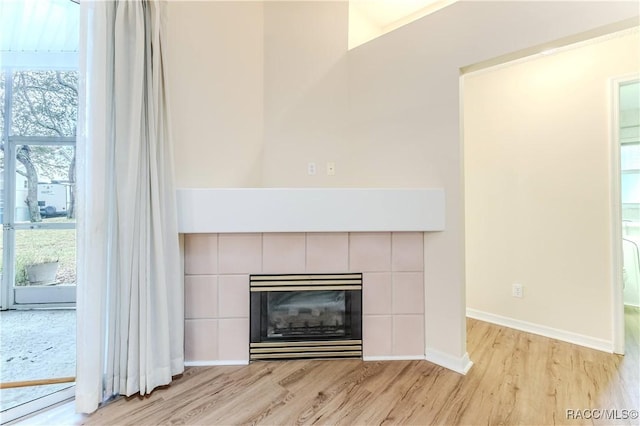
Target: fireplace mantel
234, 210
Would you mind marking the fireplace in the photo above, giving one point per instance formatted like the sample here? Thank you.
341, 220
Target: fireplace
306, 316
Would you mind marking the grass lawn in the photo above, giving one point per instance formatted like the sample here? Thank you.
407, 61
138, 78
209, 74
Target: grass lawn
38, 245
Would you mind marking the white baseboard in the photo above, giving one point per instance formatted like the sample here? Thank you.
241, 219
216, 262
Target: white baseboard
458, 364
394, 358
542, 330
216, 363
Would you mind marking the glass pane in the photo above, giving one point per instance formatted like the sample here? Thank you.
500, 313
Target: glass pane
631, 188
306, 313
45, 183
2, 147
2, 104
46, 257
1, 209
45, 103
630, 157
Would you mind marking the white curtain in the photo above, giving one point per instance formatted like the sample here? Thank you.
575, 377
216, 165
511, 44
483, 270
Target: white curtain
130, 293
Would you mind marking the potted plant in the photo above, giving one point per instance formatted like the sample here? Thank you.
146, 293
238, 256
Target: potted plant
37, 270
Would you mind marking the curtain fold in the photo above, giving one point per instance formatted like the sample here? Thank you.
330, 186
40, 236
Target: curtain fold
130, 292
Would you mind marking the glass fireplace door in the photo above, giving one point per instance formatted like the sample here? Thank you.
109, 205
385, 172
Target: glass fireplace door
309, 314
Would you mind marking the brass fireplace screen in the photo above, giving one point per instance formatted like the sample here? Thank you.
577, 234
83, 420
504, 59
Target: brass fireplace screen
306, 316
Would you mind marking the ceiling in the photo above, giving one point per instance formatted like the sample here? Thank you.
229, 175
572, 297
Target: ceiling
369, 19
394, 13
39, 33
45, 33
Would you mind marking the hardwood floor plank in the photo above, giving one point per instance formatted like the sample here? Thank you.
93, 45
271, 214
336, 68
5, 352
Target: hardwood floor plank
314, 392
517, 379
383, 376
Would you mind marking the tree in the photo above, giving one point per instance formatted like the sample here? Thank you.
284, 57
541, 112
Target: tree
45, 103
23, 155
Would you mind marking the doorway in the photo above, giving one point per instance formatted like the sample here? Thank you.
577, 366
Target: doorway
39, 102
626, 227
38, 214
539, 181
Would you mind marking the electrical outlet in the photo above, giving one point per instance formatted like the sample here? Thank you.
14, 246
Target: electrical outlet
311, 169
331, 168
517, 290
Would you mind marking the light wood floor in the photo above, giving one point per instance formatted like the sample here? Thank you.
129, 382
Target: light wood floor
517, 379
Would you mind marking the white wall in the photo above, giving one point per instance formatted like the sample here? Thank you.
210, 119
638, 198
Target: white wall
405, 121
216, 92
387, 112
538, 190
306, 92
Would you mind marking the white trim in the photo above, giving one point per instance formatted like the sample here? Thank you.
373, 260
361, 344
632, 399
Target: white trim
42, 294
542, 330
224, 210
617, 283
458, 364
394, 358
215, 363
40, 60
576, 41
463, 364
31, 407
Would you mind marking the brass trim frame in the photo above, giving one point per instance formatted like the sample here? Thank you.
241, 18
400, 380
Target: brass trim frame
285, 277
310, 349
302, 349
304, 282
260, 285
306, 288
347, 354
307, 343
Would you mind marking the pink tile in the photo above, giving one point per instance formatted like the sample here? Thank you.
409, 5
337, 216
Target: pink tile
240, 253
233, 296
201, 340
408, 335
283, 253
407, 251
408, 293
327, 252
376, 293
370, 252
376, 335
233, 339
200, 254
201, 296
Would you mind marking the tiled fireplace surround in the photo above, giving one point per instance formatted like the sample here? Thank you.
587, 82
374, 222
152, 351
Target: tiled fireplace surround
217, 268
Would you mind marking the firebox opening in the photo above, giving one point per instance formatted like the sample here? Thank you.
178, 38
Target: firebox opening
307, 313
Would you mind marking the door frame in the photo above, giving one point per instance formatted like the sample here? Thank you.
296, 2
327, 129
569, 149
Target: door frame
615, 173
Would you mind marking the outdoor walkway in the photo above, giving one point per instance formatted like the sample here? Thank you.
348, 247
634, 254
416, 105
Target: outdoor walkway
35, 344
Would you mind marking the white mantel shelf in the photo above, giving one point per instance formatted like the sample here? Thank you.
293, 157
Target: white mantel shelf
309, 210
